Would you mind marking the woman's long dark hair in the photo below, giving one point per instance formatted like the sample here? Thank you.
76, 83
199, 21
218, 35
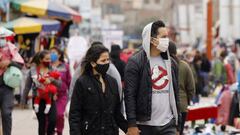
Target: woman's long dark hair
92, 55
39, 56
61, 58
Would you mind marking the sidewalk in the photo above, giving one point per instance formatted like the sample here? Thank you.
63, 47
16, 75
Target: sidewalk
25, 123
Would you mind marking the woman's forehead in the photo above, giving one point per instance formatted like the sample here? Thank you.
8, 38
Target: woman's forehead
105, 54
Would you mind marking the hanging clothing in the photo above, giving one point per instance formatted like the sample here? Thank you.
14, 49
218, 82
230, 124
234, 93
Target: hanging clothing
224, 105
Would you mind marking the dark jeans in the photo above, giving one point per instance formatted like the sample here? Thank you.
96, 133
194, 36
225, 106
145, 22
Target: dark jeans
184, 115
169, 129
46, 121
6, 107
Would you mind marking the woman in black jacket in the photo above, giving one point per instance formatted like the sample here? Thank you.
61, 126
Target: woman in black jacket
95, 105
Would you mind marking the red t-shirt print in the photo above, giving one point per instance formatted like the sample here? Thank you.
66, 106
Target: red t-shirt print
159, 78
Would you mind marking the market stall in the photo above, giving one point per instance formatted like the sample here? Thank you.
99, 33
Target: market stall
46, 8
26, 25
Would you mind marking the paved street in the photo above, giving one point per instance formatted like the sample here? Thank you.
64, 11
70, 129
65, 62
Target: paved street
24, 123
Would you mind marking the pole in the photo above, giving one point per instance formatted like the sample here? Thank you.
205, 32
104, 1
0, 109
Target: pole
8, 11
209, 28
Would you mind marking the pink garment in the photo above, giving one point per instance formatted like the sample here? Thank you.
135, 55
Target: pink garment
10, 52
62, 96
230, 75
124, 56
4, 55
224, 105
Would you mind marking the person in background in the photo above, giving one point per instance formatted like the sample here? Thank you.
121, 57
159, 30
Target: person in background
58, 64
42, 61
219, 70
115, 58
196, 68
205, 70
7, 59
95, 105
186, 83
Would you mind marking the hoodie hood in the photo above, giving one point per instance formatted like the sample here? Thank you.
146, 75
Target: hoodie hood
146, 37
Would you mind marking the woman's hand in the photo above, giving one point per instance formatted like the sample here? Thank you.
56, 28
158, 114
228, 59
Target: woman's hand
55, 97
47, 81
133, 131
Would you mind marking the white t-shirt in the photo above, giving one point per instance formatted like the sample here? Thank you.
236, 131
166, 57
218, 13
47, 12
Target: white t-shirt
161, 108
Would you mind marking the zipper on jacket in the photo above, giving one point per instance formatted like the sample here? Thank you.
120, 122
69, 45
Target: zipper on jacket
86, 125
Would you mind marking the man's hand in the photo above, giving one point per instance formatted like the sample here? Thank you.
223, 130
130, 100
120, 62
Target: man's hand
4, 64
133, 131
154, 41
177, 133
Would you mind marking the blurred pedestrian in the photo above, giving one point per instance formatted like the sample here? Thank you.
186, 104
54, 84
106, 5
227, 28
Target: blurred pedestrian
219, 70
58, 64
185, 82
205, 70
199, 82
42, 61
115, 58
7, 59
95, 105
151, 95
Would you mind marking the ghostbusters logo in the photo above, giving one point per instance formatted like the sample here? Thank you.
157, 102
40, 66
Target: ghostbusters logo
159, 78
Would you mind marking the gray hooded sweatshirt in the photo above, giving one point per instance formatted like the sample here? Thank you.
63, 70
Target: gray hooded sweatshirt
155, 117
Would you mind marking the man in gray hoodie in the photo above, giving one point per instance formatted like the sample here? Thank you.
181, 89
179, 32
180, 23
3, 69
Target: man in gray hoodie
151, 95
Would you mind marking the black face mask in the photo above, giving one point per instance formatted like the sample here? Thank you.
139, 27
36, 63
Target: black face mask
46, 63
102, 68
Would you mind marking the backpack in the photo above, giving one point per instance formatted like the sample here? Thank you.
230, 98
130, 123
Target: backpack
12, 77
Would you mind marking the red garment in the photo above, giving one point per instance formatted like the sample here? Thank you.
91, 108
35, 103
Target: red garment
124, 56
49, 89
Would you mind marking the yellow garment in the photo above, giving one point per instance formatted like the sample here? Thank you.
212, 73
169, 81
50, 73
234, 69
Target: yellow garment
52, 43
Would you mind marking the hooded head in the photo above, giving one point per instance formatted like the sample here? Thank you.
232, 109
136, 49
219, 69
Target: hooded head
154, 36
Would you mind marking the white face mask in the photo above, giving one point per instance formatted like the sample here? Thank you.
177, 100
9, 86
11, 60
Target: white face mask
2, 42
163, 44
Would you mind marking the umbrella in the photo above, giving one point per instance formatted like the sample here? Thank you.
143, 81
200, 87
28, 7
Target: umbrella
46, 8
5, 32
25, 25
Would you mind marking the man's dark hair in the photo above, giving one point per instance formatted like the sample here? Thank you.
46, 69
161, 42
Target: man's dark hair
173, 51
115, 51
223, 54
155, 26
172, 48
